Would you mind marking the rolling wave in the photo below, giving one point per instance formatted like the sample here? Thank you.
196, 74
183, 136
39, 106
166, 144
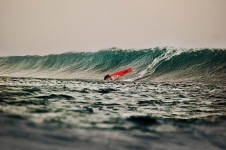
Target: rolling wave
154, 63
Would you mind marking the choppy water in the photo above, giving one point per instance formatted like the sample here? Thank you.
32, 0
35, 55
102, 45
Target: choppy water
41, 113
174, 99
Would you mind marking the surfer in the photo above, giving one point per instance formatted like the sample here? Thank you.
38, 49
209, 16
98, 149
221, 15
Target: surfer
117, 75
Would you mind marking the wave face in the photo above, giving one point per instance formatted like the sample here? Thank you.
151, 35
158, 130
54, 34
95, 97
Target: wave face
148, 64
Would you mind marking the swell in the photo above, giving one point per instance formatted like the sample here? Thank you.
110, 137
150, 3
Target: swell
163, 63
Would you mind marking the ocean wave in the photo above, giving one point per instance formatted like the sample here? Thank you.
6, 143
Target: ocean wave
147, 64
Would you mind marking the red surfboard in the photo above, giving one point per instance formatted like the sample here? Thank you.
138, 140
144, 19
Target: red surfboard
121, 73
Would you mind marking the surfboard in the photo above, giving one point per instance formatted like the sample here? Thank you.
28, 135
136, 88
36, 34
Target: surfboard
120, 74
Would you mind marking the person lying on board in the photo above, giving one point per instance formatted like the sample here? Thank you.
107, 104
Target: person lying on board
117, 75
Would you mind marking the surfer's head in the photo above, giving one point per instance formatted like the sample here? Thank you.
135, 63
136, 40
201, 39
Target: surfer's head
107, 77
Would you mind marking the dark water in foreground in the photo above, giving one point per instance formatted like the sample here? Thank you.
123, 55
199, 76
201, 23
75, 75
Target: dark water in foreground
88, 114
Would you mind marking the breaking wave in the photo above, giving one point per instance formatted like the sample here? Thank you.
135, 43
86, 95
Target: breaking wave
148, 64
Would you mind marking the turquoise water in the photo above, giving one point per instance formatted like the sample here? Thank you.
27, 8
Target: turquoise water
150, 64
174, 99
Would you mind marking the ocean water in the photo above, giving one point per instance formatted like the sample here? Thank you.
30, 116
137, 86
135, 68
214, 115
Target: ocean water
174, 99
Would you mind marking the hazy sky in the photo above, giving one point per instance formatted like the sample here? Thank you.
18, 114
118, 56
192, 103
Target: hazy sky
57, 26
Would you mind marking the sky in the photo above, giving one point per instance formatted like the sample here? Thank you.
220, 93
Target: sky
40, 27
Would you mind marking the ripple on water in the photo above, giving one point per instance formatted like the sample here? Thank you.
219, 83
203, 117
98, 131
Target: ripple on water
56, 96
92, 104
